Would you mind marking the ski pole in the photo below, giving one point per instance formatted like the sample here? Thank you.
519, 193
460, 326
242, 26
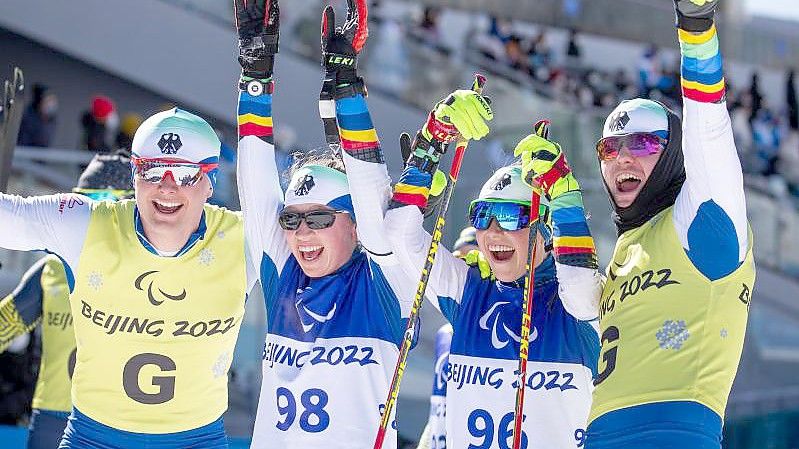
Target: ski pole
12, 118
541, 129
407, 339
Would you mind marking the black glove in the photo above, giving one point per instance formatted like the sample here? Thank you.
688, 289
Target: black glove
258, 24
341, 45
695, 15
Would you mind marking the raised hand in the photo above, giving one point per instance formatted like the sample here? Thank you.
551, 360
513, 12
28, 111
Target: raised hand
695, 15
463, 113
544, 165
341, 45
258, 25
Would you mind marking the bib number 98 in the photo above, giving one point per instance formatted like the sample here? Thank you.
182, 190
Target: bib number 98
313, 417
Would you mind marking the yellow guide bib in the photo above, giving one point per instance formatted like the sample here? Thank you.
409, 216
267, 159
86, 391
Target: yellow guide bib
58, 341
668, 332
155, 335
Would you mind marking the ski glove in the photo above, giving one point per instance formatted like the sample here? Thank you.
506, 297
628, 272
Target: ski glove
545, 165
258, 25
695, 15
463, 113
475, 258
341, 45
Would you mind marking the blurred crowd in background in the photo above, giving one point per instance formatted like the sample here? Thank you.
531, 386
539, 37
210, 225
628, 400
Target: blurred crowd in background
767, 135
103, 129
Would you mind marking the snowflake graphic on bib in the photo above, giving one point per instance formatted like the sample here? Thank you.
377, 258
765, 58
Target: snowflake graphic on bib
673, 334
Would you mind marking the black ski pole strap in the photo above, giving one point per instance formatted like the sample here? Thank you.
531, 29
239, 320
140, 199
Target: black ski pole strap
694, 24
350, 90
327, 112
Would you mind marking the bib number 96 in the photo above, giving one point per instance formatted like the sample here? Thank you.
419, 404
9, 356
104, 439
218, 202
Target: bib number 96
481, 426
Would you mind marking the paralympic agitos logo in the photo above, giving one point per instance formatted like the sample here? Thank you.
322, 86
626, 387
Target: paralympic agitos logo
158, 298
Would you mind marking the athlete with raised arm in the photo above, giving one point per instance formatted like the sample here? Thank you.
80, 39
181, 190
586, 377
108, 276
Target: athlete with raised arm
43, 297
674, 308
157, 290
334, 321
485, 313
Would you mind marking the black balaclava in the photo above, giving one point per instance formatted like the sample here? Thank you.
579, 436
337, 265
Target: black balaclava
664, 183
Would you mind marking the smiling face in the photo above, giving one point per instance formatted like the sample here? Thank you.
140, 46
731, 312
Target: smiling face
626, 175
506, 251
321, 251
168, 207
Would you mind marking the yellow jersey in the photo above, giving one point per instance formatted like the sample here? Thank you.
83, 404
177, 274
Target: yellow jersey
155, 335
668, 333
58, 341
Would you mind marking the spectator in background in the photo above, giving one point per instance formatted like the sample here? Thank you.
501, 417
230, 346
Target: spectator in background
539, 52
500, 29
740, 116
514, 54
38, 122
573, 50
492, 44
765, 127
127, 128
669, 84
99, 124
648, 71
756, 96
428, 30
793, 103
429, 23
623, 83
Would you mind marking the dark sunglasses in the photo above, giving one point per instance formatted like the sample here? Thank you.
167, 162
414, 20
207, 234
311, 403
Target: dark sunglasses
639, 144
316, 219
509, 216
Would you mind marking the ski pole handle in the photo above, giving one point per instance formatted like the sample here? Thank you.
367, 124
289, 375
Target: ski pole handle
461, 144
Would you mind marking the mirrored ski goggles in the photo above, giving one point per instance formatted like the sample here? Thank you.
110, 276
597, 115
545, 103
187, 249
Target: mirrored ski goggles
639, 145
105, 194
509, 216
185, 174
315, 219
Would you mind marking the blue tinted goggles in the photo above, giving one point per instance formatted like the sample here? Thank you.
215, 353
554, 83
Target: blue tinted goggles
509, 216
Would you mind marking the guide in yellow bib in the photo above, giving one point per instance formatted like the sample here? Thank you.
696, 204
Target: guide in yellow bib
157, 286
673, 311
